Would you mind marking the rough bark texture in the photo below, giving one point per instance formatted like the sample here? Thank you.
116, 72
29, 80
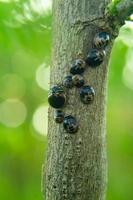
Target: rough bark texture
76, 164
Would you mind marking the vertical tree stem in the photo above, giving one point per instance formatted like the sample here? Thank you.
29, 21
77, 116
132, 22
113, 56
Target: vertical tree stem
76, 164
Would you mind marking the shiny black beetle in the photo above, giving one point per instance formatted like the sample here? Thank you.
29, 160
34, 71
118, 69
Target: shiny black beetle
58, 116
78, 80
87, 94
95, 57
70, 124
56, 96
101, 40
67, 82
77, 67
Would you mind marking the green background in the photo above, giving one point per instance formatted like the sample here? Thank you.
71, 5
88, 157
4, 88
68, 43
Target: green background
25, 51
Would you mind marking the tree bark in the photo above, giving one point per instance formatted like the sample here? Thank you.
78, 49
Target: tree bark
76, 166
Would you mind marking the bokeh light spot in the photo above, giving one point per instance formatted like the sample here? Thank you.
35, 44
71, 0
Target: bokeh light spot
43, 76
40, 119
12, 86
8, 1
12, 112
24, 63
41, 6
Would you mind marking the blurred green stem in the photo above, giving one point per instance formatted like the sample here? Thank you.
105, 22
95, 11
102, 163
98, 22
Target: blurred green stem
120, 10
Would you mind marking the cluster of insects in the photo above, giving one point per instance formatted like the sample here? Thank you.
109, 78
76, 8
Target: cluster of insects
57, 96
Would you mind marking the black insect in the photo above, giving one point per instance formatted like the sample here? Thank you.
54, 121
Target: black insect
95, 57
78, 67
56, 96
87, 94
78, 80
58, 116
101, 40
70, 124
67, 82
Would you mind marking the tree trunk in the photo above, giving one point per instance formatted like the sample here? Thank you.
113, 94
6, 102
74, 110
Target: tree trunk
76, 164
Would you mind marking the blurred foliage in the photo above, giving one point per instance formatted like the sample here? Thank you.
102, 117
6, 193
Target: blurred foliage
25, 51
25, 43
112, 7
